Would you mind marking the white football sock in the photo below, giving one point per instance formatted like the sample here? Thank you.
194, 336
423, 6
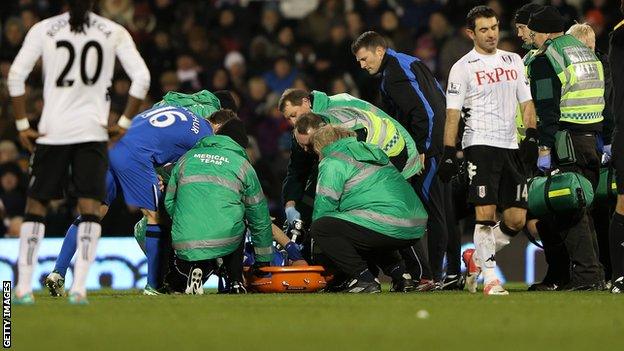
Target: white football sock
88, 236
501, 238
31, 234
485, 248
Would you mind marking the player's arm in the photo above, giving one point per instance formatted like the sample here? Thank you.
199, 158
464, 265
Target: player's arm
135, 67
31, 50
455, 96
451, 127
528, 114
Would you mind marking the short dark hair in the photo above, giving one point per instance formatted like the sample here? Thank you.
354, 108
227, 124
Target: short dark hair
369, 40
481, 11
308, 121
294, 96
222, 116
235, 129
226, 100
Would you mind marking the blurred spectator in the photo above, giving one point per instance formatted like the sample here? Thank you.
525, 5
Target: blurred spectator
168, 82
119, 94
398, 36
453, 49
8, 152
220, 80
13, 35
142, 23
569, 12
286, 40
160, 56
596, 20
231, 32
372, 11
316, 25
281, 76
188, 72
29, 17
355, 25
120, 11
235, 64
12, 194
417, 13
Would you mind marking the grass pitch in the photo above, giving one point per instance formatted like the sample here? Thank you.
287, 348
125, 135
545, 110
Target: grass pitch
456, 321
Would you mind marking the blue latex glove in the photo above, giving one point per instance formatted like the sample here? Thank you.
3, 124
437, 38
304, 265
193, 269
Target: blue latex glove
292, 214
606, 154
543, 163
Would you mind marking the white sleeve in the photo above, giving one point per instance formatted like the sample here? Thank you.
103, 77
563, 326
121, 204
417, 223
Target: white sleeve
523, 87
133, 64
31, 50
456, 88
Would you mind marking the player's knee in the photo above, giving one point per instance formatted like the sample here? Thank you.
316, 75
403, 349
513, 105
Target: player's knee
515, 224
531, 226
36, 207
486, 213
89, 207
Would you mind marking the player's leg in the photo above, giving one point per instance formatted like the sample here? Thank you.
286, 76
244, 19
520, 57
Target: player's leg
513, 197
139, 183
49, 170
55, 281
485, 169
616, 230
89, 166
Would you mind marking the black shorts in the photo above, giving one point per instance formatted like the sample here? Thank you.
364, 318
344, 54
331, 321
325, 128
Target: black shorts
496, 176
79, 167
617, 160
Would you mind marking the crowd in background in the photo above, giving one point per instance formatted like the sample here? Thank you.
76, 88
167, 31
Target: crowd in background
256, 49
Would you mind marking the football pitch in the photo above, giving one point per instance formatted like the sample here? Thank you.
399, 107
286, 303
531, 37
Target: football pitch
126, 320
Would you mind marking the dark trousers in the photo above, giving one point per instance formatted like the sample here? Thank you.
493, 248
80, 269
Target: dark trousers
179, 274
350, 246
577, 231
433, 194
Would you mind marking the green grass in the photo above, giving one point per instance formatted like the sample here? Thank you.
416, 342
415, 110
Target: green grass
457, 321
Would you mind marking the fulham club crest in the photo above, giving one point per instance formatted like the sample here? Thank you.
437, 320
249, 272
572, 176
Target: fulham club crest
481, 191
507, 59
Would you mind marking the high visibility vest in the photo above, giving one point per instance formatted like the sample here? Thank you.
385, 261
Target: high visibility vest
582, 79
380, 131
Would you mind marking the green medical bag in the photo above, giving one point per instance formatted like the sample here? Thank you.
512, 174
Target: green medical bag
607, 189
561, 193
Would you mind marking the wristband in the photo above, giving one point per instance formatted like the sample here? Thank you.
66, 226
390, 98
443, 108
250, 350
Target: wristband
124, 122
22, 124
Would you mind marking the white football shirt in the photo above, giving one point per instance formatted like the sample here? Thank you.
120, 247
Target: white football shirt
491, 86
78, 71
